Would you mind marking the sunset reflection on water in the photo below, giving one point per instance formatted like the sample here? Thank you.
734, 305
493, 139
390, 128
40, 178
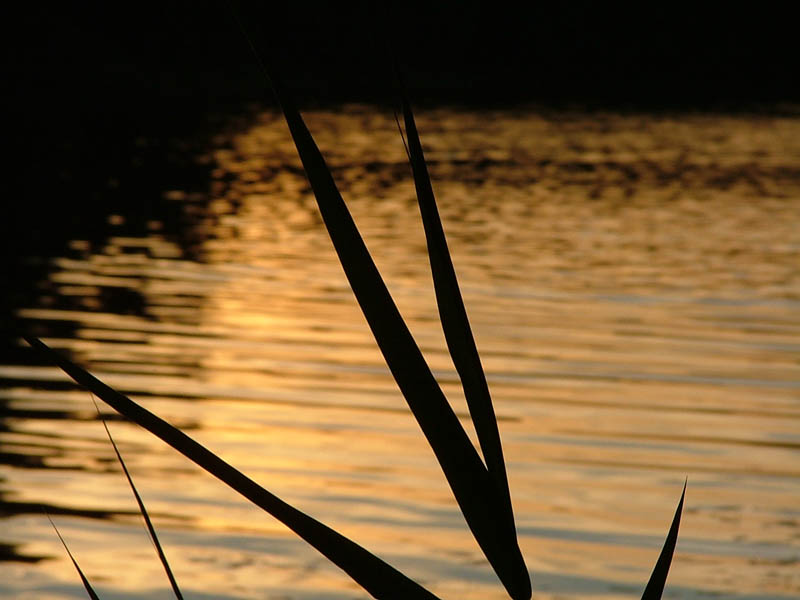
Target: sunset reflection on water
633, 283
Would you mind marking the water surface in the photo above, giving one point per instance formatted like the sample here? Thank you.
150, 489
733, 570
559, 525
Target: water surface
633, 283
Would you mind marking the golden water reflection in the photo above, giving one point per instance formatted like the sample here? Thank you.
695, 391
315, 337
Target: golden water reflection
633, 284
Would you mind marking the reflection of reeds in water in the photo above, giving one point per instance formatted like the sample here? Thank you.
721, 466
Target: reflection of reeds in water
480, 486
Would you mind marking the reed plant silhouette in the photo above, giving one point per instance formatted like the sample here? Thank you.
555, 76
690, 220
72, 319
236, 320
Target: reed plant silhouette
479, 483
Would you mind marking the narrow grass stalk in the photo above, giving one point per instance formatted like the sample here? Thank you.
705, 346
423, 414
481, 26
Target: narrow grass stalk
148, 523
377, 577
474, 489
89, 590
455, 323
658, 578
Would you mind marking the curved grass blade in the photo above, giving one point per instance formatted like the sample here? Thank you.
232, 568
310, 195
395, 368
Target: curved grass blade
453, 315
473, 488
655, 587
86, 584
150, 529
377, 577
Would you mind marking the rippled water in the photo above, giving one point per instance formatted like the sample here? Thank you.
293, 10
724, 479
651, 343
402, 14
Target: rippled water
633, 284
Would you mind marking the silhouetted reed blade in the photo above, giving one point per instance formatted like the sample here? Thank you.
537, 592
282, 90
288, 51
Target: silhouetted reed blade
479, 485
89, 590
148, 523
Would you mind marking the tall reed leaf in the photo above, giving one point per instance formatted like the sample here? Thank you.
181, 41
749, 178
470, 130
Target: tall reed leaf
377, 577
655, 587
473, 488
150, 529
453, 316
86, 584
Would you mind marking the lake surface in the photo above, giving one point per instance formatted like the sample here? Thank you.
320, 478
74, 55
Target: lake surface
633, 283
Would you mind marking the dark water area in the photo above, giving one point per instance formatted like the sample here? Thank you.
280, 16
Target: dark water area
75, 176
86, 169
632, 280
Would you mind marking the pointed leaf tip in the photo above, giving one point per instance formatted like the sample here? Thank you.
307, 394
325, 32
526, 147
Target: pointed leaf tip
89, 590
655, 587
